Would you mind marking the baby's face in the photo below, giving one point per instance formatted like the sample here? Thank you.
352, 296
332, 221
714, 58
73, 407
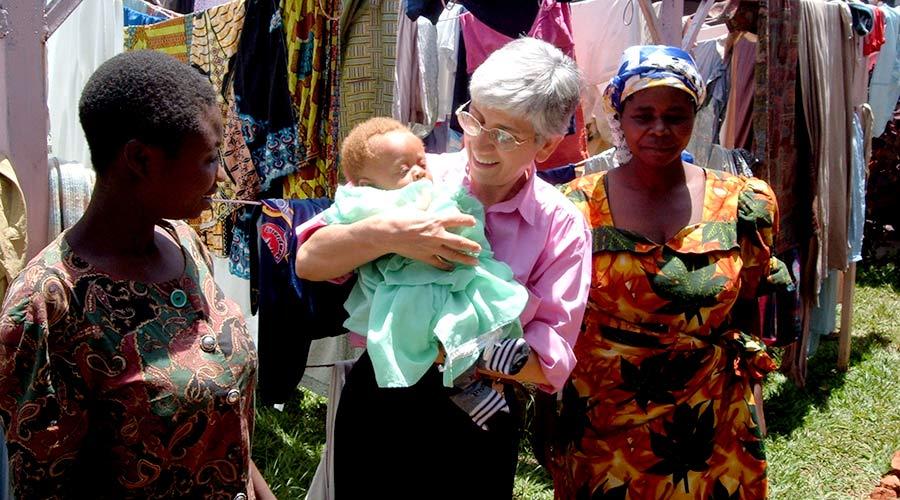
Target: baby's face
399, 160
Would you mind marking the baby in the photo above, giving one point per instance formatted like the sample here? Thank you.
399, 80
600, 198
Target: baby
408, 310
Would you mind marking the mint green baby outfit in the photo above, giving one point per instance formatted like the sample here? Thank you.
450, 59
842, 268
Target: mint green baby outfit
406, 308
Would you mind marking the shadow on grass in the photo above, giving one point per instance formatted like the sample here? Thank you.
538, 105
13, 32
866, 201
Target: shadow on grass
786, 408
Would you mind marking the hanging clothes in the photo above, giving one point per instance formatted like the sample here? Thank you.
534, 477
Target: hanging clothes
262, 94
170, 37
91, 35
598, 48
735, 130
709, 56
214, 42
208, 40
774, 113
875, 39
200, 5
553, 24
826, 40
884, 88
292, 312
13, 227
71, 185
448, 33
149, 9
407, 107
862, 135
322, 485
137, 18
313, 43
368, 39
823, 317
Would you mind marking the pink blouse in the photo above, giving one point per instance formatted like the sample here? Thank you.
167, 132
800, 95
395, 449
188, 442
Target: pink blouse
546, 242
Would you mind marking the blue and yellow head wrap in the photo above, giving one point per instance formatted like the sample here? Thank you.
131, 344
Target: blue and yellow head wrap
648, 66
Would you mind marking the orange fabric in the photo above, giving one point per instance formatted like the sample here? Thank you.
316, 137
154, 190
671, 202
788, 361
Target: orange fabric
660, 403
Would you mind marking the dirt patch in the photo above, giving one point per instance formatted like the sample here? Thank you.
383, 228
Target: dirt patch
889, 487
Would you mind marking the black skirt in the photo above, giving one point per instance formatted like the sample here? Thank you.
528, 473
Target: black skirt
415, 443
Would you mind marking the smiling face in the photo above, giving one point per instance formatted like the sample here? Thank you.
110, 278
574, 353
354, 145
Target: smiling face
399, 159
491, 168
657, 124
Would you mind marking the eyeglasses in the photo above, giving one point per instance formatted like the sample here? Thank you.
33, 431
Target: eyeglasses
472, 127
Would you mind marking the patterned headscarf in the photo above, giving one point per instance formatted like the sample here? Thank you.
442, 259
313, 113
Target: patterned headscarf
644, 67
648, 66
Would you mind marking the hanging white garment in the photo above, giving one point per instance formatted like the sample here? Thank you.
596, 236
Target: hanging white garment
90, 36
448, 48
322, 486
326, 351
599, 46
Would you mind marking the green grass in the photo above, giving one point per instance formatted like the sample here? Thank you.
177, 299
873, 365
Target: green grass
832, 439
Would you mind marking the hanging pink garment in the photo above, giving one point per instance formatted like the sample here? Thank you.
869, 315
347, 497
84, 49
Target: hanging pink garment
552, 24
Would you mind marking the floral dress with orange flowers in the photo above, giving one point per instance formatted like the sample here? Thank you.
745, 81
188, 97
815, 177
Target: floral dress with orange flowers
660, 403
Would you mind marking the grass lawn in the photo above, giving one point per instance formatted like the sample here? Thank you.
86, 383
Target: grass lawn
831, 440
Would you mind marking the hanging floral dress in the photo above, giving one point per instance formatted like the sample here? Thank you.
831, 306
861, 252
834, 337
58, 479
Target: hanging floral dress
660, 403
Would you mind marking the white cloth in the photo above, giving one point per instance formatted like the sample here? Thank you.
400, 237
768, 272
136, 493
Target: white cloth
448, 50
599, 45
322, 485
90, 36
325, 352
427, 58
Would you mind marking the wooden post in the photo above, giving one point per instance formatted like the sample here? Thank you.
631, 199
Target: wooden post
670, 25
690, 37
25, 122
846, 317
651, 20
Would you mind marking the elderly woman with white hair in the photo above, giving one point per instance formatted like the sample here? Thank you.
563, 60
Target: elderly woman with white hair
414, 442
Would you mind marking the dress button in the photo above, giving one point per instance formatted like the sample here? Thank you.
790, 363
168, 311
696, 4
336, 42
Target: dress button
240, 496
233, 396
178, 298
208, 343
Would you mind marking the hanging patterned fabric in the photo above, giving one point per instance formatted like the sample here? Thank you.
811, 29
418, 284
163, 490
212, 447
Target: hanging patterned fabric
369, 36
262, 95
171, 37
215, 36
774, 113
312, 31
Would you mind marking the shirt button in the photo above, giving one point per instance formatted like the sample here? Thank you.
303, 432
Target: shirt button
208, 343
240, 496
233, 396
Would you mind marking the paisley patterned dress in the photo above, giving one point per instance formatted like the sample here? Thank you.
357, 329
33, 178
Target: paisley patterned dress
113, 388
660, 403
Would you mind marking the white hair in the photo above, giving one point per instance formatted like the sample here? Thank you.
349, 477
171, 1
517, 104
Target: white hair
532, 79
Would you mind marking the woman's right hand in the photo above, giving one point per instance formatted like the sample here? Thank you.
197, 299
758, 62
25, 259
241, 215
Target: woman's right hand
425, 237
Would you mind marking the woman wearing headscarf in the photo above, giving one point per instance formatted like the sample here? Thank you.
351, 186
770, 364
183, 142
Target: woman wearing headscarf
660, 403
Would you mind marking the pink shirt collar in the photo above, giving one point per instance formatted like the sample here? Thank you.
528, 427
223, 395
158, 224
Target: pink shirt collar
525, 201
